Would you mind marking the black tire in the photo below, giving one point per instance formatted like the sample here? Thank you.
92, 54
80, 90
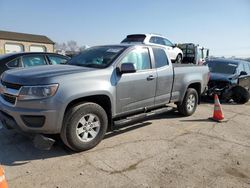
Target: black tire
240, 95
184, 108
178, 59
71, 123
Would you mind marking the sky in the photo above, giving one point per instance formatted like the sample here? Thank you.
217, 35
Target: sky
223, 26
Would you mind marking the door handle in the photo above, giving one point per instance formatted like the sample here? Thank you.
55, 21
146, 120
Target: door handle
150, 77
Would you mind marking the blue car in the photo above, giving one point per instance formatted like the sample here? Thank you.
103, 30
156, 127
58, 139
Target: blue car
230, 79
29, 59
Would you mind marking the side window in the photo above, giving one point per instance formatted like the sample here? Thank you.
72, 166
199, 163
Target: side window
33, 60
161, 58
56, 59
160, 41
14, 63
139, 57
246, 67
157, 40
153, 40
240, 68
167, 42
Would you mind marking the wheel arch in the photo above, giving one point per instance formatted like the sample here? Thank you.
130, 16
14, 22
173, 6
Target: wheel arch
197, 87
103, 100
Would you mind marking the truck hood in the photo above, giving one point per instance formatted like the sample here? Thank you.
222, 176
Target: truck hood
221, 77
40, 74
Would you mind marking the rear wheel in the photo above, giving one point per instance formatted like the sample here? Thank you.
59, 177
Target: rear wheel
240, 95
84, 126
178, 59
189, 103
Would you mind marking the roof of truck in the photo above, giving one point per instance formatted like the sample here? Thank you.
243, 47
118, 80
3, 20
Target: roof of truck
132, 44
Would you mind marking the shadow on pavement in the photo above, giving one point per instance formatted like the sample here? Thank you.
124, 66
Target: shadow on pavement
197, 120
16, 149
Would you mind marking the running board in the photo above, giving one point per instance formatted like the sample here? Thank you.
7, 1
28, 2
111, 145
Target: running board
142, 116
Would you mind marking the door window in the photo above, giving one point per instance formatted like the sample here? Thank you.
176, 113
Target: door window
246, 67
167, 42
33, 60
157, 40
160, 57
56, 59
14, 63
240, 68
139, 57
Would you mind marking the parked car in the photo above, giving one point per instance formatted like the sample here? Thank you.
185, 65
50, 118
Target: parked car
28, 59
230, 79
194, 53
102, 86
175, 53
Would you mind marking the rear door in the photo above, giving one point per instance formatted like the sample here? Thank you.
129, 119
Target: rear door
164, 80
135, 91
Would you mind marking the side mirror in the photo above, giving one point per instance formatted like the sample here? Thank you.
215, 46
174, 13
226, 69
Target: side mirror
243, 73
127, 68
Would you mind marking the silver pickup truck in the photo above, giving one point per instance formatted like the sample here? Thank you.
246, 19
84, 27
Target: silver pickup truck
98, 88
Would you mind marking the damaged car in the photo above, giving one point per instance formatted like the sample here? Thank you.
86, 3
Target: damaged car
230, 79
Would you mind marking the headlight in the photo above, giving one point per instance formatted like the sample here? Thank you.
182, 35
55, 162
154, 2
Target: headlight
37, 92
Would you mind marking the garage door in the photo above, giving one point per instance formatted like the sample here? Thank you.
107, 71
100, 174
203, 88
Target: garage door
37, 49
12, 48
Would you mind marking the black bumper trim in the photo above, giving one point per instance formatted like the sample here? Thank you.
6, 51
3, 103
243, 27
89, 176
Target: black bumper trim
8, 121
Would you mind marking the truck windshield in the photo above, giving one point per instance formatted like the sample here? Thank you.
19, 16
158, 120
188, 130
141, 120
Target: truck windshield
223, 67
97, 57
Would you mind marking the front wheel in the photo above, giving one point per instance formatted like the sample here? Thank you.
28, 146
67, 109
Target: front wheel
189, 104
240, 95
84, 126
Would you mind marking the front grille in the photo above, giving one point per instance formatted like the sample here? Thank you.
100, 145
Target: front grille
9, 98
11, 85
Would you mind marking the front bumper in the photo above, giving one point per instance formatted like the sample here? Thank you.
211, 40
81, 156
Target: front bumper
45, 121
221, 88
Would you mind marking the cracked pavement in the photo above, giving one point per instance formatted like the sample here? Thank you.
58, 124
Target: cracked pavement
164, 151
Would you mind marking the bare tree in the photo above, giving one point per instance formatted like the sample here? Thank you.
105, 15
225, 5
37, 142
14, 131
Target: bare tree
72, 45
83, 47
61, 46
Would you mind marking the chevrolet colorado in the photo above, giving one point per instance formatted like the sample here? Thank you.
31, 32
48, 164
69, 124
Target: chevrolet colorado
98, 88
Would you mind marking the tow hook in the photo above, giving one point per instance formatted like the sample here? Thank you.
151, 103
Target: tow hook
43, 142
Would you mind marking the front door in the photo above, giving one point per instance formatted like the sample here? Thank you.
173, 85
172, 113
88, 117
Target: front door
135, 91
244, 80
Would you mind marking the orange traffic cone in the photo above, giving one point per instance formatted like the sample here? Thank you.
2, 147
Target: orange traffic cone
218, 114
3, 182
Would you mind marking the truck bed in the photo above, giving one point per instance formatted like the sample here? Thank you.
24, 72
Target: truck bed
184, 74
